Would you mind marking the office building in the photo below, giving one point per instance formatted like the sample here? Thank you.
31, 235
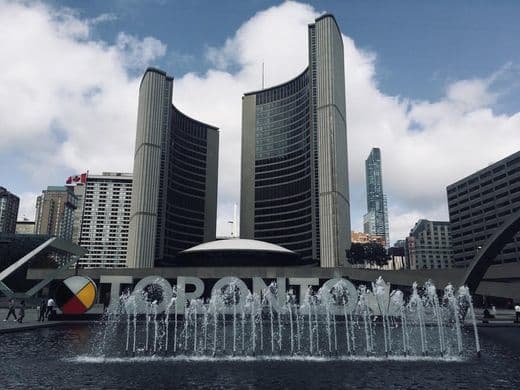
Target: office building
429, 245
25, 227
9, 204
174, 195
294, 184
55, 212
375, 221
102, 219
479, 204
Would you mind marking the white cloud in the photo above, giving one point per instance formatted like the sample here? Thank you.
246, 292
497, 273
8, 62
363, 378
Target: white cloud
425, 145
83, 105
103, 18
278, 38
27, 207
66, 100
138, 53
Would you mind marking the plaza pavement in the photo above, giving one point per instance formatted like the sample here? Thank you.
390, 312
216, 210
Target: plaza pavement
30, 321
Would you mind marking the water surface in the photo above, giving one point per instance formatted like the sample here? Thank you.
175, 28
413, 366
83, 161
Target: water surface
62, 358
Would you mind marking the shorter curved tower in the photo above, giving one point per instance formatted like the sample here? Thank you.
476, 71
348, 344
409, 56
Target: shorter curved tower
174, 195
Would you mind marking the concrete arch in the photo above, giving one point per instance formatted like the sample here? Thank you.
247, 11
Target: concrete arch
503, 235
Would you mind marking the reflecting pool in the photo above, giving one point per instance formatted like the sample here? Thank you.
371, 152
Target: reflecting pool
62, 358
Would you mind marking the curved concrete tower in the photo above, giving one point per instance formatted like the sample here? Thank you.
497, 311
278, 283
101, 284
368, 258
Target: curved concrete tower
174, 195
294, 186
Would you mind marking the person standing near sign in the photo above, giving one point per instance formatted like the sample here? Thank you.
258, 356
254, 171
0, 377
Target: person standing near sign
50, 307
42, 309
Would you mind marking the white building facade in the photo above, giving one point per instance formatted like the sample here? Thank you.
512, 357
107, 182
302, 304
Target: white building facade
102, 219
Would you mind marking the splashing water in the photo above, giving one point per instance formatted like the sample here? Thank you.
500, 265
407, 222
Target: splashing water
327, 323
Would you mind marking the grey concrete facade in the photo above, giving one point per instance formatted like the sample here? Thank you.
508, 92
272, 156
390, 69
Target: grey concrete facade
247, 174
294, 185
478, 206
332, 143
175, 177
153, 114
429, 245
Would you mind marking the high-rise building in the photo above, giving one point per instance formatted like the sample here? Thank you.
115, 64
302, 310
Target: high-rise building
479, 204
9, 204
102, 219
55, 212
369, 223
375, 221
174, 196
294, 184
429, 245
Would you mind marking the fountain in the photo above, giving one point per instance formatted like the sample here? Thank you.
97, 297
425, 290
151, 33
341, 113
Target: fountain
327, 323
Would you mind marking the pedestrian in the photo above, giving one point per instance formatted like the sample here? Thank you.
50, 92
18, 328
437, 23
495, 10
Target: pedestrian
106, 302
42, 309
493, 311
50, 307
11, 310
517, 311
21, 311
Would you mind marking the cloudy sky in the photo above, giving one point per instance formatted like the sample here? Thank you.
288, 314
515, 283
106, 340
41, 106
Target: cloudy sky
435, 85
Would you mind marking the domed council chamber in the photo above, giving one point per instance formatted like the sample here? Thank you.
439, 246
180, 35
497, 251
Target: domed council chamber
238, 252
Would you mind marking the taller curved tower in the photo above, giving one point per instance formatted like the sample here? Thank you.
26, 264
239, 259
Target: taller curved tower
294, 186
174, 194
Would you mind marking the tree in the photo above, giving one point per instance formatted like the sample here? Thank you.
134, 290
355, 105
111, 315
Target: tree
368, 253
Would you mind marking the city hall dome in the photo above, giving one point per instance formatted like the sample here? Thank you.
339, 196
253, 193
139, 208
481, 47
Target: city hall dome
237, 252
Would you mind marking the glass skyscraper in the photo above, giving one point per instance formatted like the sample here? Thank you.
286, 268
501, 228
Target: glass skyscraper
174, 194
294, 187
375, 221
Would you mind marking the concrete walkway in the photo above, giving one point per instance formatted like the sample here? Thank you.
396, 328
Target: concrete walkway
30, 321
503, 318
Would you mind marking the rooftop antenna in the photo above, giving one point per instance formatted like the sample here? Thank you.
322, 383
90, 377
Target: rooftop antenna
235, 221
262, 75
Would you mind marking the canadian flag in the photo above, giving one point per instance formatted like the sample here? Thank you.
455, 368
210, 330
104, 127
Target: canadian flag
73, 180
